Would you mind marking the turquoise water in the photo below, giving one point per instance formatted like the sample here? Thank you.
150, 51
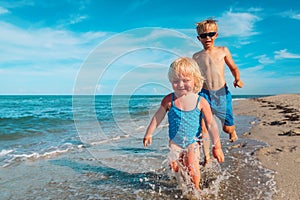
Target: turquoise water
91, 148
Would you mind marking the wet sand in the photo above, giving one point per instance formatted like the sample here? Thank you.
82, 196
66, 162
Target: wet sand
278, 125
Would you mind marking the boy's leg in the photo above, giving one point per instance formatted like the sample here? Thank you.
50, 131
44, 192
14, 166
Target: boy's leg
205, 136
231, 131
206, 143
225, 113
228, 126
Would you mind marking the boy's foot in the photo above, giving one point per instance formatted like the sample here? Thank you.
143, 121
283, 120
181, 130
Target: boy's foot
233, 137
207, 160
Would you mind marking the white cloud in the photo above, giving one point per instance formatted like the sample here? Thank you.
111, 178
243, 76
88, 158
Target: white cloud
46, 56
33, 59
284, 54
78, 19
263, 59
254, 9
3, 11
116, 57
46, 45
240, 24
252, 69
32, 81
291, 14
259, 81
262, 85
296, 16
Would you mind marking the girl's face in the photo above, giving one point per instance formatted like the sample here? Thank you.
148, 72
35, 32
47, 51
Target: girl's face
183, 85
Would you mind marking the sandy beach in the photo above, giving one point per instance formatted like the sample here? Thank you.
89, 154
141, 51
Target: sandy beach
278, 125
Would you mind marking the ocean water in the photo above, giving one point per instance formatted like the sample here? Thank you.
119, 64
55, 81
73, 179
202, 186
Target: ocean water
90, 147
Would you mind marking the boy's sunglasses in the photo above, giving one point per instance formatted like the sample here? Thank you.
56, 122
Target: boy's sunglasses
210, 34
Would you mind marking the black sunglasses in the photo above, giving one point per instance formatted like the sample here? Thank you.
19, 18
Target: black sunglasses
210, 34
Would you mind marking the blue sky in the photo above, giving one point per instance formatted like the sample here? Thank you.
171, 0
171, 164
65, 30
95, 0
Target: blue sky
125, 47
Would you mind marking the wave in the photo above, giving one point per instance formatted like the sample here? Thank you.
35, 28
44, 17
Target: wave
138, 132
4, 152
109, 140
28, 122
15, 135
36, 117
52, 152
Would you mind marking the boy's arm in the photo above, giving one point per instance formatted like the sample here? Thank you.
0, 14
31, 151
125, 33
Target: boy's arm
233, 68
156, 120
213, 131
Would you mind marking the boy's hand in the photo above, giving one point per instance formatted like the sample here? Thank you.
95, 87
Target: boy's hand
147, 140
218, 154
238, 83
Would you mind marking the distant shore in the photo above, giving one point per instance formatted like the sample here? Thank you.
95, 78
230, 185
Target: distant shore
278, 125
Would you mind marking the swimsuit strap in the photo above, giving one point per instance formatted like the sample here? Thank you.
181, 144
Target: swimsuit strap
198, 100
173, 99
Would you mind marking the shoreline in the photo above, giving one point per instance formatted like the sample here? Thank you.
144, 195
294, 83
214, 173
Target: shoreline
278, 125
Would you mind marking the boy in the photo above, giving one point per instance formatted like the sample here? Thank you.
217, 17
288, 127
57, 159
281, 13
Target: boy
211, 61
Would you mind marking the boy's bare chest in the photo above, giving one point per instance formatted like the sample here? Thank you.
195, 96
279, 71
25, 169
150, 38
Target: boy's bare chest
211, 61
215, 58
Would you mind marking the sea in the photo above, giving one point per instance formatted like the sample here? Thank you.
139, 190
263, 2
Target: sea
91, 147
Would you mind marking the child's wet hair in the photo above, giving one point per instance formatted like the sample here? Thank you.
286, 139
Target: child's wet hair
186, 67
203, 25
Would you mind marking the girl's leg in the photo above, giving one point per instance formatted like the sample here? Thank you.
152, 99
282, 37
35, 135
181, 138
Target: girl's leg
193, 165
175, 157
174, 166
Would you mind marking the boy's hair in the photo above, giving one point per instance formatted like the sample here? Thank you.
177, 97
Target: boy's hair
186, 67
203, 25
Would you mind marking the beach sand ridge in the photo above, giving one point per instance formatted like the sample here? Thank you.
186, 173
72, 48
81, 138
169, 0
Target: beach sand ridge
278, 125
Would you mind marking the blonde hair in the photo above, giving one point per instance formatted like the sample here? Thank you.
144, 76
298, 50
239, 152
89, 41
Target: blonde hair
203, 25
186, 67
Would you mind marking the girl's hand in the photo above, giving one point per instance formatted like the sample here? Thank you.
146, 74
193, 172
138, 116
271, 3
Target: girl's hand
218, 154
147, 140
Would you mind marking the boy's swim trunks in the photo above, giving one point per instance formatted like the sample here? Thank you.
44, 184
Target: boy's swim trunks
220, 102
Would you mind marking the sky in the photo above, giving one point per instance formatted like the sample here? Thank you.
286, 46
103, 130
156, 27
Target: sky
125, 47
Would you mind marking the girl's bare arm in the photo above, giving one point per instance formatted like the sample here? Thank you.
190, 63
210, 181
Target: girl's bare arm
156, 120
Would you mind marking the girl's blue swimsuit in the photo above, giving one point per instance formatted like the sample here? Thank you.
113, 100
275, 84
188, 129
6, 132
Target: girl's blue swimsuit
184, 126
